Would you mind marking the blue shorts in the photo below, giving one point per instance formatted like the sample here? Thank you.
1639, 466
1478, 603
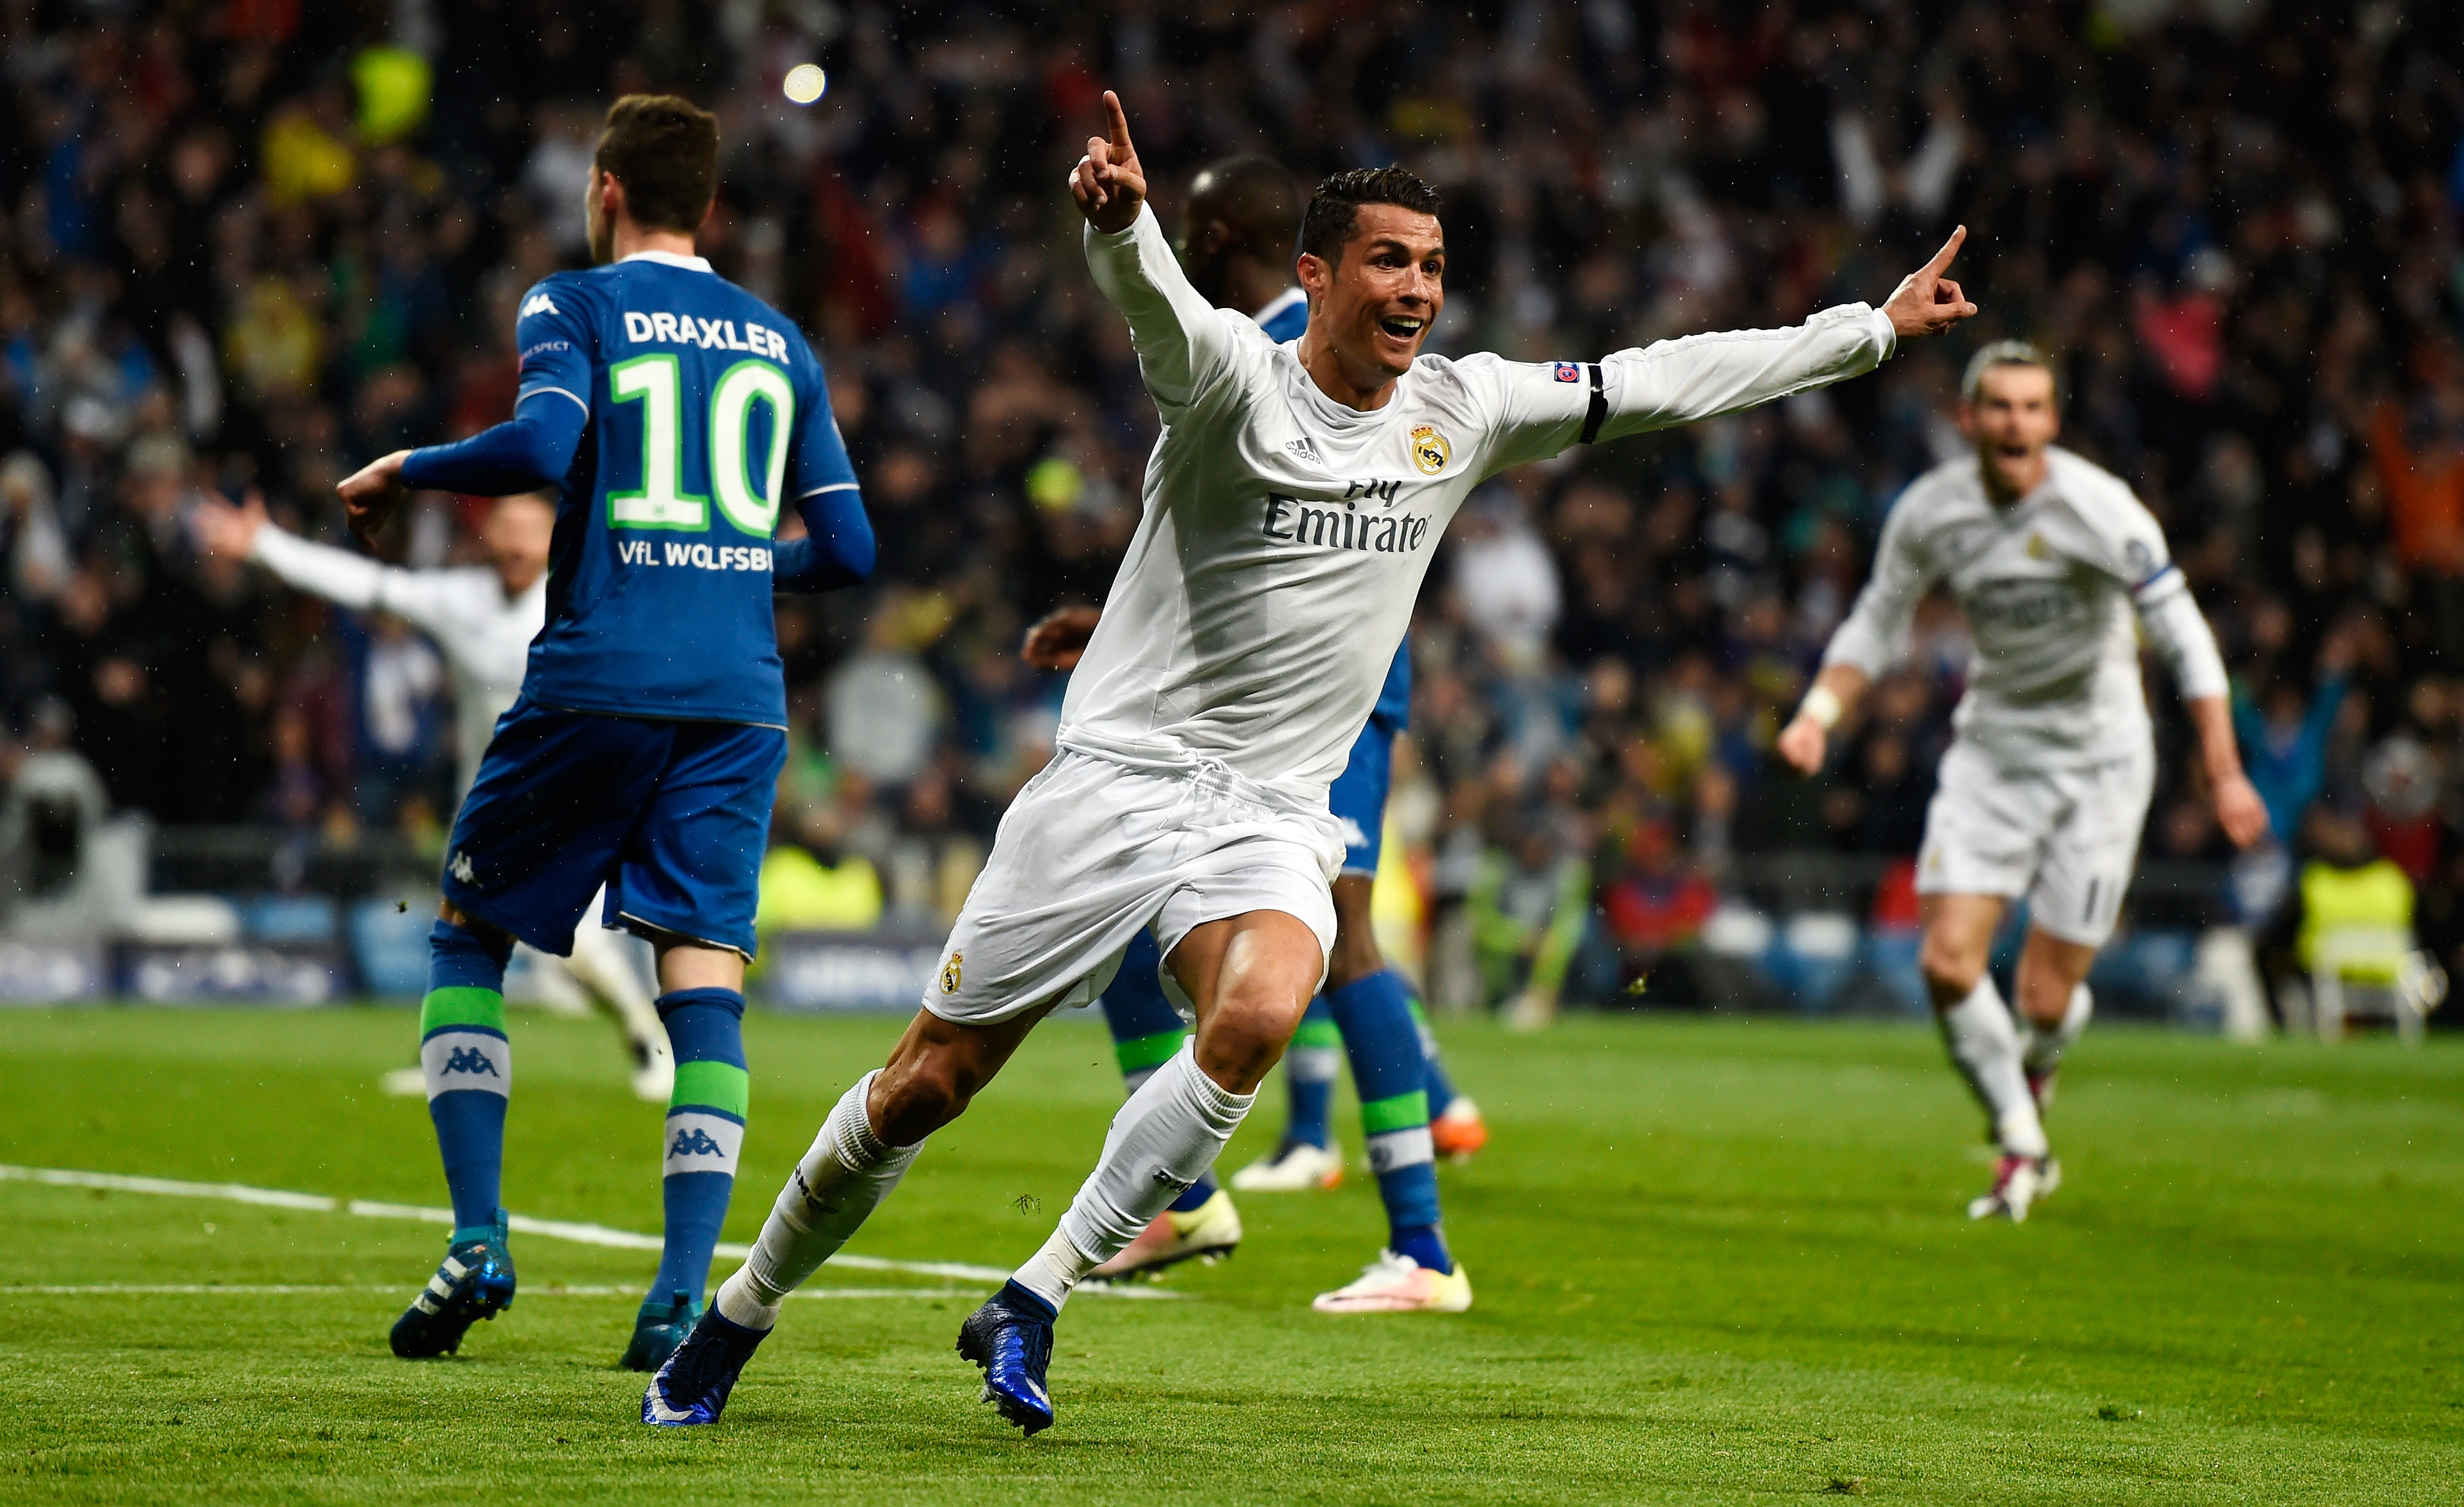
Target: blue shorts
1358, 798
673, 817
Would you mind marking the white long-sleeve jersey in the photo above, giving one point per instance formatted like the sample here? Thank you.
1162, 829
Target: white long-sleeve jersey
2047, 585
1284, 536
485, 634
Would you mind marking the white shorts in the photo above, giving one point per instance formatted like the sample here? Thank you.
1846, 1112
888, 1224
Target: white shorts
1090, 851
2067, 839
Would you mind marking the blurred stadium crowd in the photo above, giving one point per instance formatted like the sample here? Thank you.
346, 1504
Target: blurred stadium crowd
251, 243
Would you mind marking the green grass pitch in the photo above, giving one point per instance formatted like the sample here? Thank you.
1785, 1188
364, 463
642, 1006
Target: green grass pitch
1716, 1261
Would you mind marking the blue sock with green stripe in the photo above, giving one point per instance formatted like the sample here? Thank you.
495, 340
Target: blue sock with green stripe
1441, 1088
1146, 1031
1311, 1065
705, 1130
1374, 1017
468, 1065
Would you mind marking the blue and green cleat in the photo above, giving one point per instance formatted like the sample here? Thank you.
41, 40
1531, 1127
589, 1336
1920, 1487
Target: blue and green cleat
658, 1329
1011, 1339
693, 1384
475, 1281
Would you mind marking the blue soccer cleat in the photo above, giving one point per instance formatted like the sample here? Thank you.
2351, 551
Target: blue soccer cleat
658, 1329
1011, 1339
475, 1281
692, 1386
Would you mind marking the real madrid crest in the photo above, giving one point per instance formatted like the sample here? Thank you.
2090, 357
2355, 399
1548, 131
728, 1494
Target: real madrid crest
949, 972
1430, 450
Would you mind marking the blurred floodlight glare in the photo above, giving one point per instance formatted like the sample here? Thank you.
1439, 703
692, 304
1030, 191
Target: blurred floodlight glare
805, 83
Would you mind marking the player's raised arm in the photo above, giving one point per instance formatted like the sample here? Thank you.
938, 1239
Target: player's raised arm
1182, 341
1548, 407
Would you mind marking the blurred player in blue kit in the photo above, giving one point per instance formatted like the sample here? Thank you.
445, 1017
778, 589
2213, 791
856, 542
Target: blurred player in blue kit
1237, 244
676, 416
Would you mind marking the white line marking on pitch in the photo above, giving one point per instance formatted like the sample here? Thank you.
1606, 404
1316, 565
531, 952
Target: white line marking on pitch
521, 1224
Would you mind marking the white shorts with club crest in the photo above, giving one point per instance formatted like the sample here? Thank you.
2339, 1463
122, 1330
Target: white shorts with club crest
1091, 851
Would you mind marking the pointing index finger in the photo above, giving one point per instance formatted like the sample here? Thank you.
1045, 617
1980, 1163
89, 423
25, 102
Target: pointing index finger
1950, 248
1120, 124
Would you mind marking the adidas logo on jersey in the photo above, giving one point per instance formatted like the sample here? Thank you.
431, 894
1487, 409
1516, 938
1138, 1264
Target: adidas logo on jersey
536, 303
1305, 448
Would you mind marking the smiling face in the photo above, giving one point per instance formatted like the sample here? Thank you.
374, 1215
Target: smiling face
2011, 420
1373, 305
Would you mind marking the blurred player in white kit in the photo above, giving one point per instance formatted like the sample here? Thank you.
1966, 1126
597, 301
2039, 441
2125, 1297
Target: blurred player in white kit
2044, 789
483, 617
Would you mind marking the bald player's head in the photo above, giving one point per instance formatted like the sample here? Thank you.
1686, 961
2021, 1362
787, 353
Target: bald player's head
1237, 231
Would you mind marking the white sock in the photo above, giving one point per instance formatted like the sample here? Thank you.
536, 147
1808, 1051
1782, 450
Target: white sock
846, 1175
1163, 1140
2042, 1049
1986, 1047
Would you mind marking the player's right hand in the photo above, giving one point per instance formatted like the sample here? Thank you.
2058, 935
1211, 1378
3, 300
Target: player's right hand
1057, 642
1803, 743
222, 529
1109, 183
1925, 302
370, 495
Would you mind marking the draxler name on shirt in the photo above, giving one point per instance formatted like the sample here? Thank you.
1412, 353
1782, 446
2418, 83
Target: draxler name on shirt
686, 329
696, 557
1340, 524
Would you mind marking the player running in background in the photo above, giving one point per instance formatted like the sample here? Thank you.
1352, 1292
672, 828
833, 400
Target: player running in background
484, 618
676, 415
2045, 787
1291, 504
1236, 247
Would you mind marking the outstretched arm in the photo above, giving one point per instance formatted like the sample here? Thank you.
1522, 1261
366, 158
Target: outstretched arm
1181, 339
1548, 407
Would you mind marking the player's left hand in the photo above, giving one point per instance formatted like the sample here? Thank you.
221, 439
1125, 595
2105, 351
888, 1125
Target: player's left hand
2239, 811
1925, 302
1109, 184
370, 495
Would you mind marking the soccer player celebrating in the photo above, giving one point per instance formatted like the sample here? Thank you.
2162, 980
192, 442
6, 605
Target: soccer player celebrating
484, 619
1235, 243
1291, 503
675, 415
2046, 785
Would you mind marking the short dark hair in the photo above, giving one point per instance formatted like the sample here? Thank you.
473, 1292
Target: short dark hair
1334, 210
665, 151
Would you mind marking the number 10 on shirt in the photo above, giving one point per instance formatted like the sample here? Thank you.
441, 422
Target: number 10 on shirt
662, 501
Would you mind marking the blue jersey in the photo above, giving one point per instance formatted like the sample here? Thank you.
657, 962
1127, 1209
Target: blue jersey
1286, 318
706, 412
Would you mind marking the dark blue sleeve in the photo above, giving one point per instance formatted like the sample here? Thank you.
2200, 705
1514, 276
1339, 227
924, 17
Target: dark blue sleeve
527, 452
534, 447
838, 546
837, 550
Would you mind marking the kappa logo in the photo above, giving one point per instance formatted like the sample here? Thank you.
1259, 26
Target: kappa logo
1569, 371
1430, 450
695, 1142
462, 867
471, 1060
536, 303
951, 974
